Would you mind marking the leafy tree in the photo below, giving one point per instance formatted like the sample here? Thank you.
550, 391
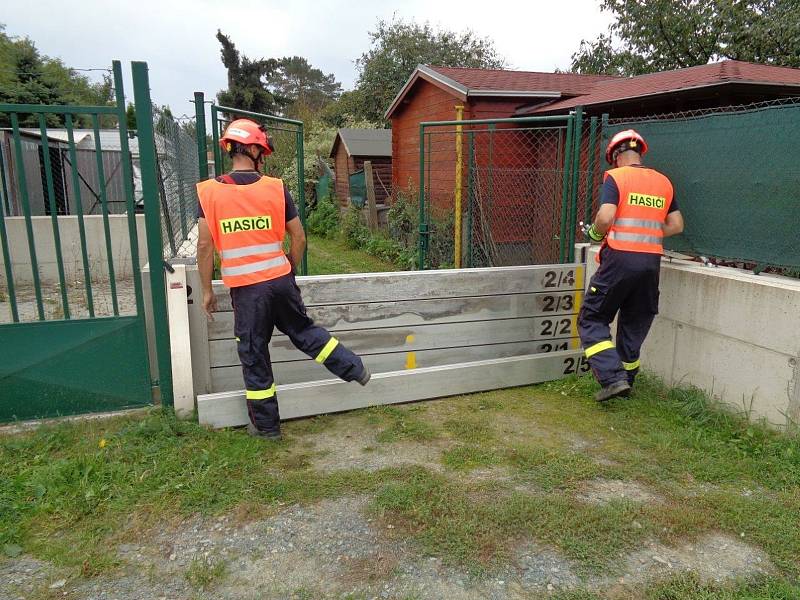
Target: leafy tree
247, 80
301, 89
398, 47
657, 35
28, 77
130, 117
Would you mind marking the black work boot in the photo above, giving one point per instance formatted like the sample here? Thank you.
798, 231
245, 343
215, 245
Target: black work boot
253, 431
613, 390
365, 376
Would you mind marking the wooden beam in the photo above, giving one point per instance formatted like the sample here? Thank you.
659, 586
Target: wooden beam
419, 337
372, 207
323, 290
228, 409
228, 378
406, 313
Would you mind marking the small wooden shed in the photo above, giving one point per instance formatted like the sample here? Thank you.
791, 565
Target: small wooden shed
351, 148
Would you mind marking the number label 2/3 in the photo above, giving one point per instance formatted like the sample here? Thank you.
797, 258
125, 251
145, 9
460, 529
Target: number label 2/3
563, 302
576, 365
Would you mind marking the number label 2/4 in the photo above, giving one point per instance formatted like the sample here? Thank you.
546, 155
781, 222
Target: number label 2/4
576, 365
557, 279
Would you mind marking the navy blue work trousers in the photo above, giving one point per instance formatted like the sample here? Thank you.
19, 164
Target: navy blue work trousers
625, 286
258, 309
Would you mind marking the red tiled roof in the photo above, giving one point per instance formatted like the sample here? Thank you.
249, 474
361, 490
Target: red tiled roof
522, 81
727, 71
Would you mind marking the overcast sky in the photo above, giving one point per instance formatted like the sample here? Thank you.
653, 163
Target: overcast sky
176, 37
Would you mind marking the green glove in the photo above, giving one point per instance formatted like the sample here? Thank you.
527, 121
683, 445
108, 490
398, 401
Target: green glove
595, 235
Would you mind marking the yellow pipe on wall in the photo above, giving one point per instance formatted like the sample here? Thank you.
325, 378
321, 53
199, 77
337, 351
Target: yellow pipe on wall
459, 176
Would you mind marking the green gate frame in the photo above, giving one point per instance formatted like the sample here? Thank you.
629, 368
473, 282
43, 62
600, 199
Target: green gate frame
73, 365
272, 123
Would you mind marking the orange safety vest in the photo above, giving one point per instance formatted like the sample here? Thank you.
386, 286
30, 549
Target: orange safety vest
645, 196
247, 224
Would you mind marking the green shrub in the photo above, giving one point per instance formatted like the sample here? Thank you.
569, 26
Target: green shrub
324, 218
357, 235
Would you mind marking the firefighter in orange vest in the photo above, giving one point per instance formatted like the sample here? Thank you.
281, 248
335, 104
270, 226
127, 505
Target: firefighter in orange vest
245, 216
637, 211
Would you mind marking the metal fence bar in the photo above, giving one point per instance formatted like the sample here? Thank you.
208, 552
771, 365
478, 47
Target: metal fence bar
12, 297
57, 109
565, 193
423, 229
247, 113
51, 200
76, 185
215, 137
26, 210
127, 177
147, 159
200, 128
112, 279
576, 167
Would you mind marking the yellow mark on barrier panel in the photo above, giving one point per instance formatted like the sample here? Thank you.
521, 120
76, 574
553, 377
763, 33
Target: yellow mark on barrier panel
411, 357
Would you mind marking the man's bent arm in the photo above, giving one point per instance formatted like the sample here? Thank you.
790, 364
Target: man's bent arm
205, 264
674, 223
297, 242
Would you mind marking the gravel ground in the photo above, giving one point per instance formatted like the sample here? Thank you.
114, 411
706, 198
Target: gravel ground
76, 296
338, 549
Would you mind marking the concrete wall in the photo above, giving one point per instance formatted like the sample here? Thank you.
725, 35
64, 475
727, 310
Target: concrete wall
731, 333
71, 247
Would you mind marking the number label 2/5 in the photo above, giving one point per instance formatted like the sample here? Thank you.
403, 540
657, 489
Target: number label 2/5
576, 365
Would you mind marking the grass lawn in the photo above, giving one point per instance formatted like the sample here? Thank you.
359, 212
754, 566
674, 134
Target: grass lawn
501, 469
329, 256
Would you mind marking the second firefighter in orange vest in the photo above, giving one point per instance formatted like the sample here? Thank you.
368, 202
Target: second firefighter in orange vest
637, 211
245, 216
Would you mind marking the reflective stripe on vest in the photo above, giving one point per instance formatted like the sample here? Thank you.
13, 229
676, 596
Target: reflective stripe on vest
247, 224
645, 196
634, 237
254, 267
251, 250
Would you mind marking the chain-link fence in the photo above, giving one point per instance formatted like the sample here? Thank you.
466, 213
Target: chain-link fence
178, 172
499, 193
736, 174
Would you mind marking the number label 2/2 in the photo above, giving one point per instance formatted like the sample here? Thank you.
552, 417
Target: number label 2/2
576, 365
555, 327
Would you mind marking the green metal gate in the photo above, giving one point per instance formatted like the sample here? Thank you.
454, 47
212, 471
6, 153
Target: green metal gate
286, 162
72, 304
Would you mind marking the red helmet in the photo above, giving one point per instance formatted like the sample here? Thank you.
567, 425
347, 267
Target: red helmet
634, 142
245, 131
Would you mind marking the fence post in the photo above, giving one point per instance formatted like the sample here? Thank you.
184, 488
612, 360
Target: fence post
301, 191
423, 226
458, 190
127, 176
147, 160
200, 131
562, 234
576, 169
587, 214
369, 188
215, 138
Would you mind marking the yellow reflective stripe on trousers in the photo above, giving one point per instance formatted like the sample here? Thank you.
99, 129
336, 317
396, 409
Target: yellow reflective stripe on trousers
598, 347
260, 394
631, 365
326, 350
